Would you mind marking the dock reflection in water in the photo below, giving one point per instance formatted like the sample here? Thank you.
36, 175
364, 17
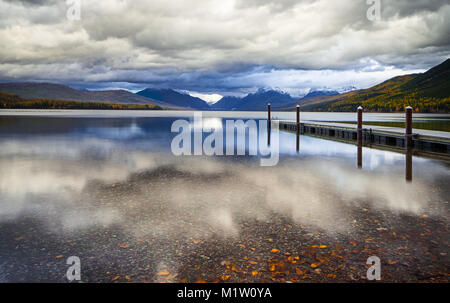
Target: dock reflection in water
359, 155
408, 165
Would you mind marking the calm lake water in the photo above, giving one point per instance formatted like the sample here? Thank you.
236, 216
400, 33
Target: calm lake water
82, 175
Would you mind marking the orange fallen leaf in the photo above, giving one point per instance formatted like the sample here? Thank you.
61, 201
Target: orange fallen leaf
270, 240
124, 246
18, 239
392, 262
331, 276
299, 271
322, 246
242, 245
314, 265
115, 278
225, 277
339, 247
163, 273
59, 257
275, 250
200, 280
128, 278
245, 258
272, 267
196, 241
368, 239
253, 262
254, 273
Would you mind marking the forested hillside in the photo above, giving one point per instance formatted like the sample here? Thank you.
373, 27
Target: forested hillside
427, 92
15, 102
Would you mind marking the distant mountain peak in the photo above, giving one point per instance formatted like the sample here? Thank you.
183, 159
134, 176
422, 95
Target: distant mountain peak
317, 93
265, 90
170, 96
346, 89
254, 101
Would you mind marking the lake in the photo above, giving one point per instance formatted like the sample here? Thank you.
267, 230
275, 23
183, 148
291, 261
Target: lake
106, 187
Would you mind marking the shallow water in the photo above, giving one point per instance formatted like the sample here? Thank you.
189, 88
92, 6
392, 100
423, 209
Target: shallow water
75, 173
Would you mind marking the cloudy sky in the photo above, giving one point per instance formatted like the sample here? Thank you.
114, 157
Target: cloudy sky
221, 46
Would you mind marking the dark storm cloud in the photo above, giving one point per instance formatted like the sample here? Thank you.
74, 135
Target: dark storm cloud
412, 7
221, 45
32, 2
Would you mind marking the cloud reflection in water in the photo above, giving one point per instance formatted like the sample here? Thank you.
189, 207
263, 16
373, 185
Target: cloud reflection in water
158, 195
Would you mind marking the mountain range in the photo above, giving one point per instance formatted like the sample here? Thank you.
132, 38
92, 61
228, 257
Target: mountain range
255, 101
426, 92
51, 91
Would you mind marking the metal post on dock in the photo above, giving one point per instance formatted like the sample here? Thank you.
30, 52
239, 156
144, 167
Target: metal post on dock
359, 135
408, 132
408, 144
360, 124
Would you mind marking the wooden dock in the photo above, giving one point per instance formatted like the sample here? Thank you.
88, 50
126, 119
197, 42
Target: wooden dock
435, 144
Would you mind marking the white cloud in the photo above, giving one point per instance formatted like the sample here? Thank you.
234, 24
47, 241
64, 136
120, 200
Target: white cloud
203, 45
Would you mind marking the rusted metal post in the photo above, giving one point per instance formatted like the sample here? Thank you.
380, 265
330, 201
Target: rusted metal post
360, 114
269, 125
408, 132
409, 144
359, 135
360, 124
